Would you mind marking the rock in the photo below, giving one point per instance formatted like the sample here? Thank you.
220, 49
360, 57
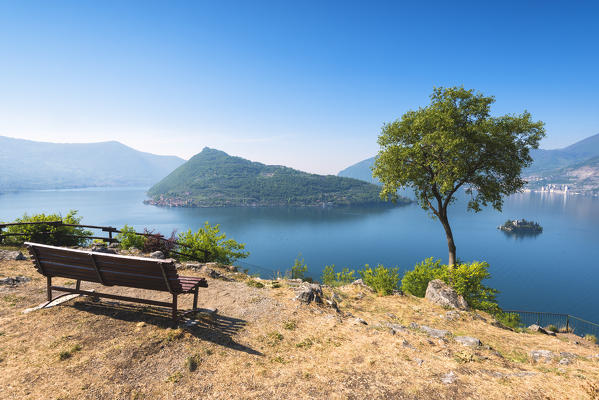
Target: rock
360, 283
359, 321
498, 324
468, 341
419, 361
194, 266
438, 292
206, 313
565, 361
478, 317
565, 354
542, 355
332, 304
14, 281
232, 268
212, 265
335, 297
395, 328
407, 344
537, 328
114, 245
436, 333
140, 324
102, 249
8, 255
449, 378
452, 315
157, 254
309, 292
391, 316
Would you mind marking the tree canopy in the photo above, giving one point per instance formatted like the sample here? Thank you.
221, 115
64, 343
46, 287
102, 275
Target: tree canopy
454, 143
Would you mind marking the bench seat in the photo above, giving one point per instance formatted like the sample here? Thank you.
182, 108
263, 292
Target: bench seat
113, 270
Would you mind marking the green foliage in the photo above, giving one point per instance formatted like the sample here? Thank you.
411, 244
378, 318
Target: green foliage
591, 338
332, 278
128, 238
254, 283
511, 320
466, 279
416, 281
192, 362
299, 268
212, 178
56, 235
382, 280
210, 239
552, 328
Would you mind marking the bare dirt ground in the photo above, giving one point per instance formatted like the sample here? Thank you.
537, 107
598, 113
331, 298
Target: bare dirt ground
264, 345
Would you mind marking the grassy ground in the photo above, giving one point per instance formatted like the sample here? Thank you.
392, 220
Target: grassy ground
264, 345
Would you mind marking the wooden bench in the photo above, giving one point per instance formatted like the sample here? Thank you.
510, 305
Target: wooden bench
113, 270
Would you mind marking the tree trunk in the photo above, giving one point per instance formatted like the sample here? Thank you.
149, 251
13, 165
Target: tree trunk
449, 235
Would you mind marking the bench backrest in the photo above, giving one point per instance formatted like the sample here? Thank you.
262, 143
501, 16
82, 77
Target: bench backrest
107, 269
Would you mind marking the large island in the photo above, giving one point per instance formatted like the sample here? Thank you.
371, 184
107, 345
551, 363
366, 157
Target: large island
213, 178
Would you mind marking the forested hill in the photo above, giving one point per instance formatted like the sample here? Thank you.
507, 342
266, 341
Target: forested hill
212, 178
26, 164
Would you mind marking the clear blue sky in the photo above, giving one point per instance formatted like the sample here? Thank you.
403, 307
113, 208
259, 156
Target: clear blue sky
304, 84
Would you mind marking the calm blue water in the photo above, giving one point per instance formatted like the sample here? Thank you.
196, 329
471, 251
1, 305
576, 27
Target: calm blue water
556, 271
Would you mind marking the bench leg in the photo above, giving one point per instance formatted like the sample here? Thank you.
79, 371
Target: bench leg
195, 299
174, 307
78, 285
49, 287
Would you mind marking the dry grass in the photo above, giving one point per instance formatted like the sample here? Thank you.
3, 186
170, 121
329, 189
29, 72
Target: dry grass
265, 345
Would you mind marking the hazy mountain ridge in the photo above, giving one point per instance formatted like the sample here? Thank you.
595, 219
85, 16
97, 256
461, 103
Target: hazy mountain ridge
212, 178
574, 165
26, 165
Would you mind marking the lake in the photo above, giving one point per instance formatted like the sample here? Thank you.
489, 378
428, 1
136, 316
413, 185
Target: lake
556, 271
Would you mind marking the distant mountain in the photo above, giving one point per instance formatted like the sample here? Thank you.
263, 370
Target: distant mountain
361, 170
212, 178
549, 166
26, 164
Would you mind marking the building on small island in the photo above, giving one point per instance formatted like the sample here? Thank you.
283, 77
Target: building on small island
520, 226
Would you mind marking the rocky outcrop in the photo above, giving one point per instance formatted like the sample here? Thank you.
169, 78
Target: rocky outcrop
309, 292
438, 292
7, 255
432, 332
157, 254
14, 281
537, 328
468, 341
542, 355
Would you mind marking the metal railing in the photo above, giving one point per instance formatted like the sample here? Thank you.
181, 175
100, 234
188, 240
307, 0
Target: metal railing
563, 322
108, 229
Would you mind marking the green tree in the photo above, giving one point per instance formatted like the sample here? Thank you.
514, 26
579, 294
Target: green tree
452, 143
56, 235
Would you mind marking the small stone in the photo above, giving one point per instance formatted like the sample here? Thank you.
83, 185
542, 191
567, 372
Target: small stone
232, 268
360, 321
565, 354
140, 324
391, 316
541, 355
157, 254
449, 378
14, 281
114, 245
407, 344
332, 304
436, 333
565, 361
395, 328
468, 341
452, 315
478, 317
419, 361
101, 248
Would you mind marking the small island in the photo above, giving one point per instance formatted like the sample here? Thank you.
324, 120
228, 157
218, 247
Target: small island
521, 226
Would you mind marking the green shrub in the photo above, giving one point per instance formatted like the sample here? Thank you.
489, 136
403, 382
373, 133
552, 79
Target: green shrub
552, 328
128, 238
210, 239
591, 338
511, 320
332, 278
55, 235
299, 268
466, 279
416, 281
382, 280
